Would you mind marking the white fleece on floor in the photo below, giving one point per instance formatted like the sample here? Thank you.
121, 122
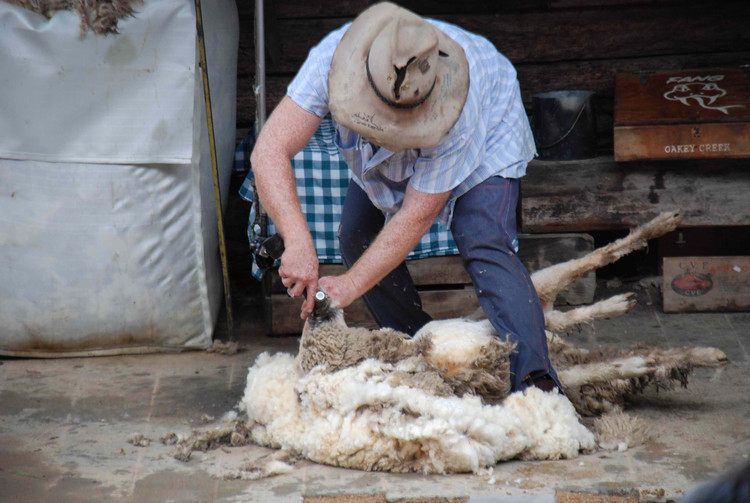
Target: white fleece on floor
354, 418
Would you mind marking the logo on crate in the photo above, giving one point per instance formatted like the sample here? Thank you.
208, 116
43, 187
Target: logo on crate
692, 284
704, 90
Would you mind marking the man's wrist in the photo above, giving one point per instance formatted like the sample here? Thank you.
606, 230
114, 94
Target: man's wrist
355, 283
299, 240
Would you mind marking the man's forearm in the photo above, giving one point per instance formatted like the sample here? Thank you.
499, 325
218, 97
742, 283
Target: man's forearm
389, 249
399, 236
274, 180
286, 132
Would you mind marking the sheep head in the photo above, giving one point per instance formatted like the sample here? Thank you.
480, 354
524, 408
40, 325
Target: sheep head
324, 313
327, 340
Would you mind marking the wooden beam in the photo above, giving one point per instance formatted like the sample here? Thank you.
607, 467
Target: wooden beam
594, 75
600, 194
350, 8
440, 304
554, 35
456, 296
536, 251
429, 271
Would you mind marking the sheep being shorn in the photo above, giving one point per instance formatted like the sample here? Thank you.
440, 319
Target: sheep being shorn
440, 402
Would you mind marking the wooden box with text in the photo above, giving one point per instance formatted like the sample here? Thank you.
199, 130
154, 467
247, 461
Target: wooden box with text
706, 284
701, 114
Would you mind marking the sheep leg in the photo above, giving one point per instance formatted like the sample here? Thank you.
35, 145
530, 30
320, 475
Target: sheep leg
605, 372
552, 280
559, 321
707, 357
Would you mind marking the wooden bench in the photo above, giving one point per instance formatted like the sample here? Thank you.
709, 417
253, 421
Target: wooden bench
445, 287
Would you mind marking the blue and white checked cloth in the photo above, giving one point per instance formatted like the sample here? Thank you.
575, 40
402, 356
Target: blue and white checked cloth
322, 178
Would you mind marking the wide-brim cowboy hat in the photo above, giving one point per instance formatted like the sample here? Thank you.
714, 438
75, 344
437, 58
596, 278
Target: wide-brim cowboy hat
397, 80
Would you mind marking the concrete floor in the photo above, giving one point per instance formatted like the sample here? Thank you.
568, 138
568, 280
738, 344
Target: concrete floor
64, 425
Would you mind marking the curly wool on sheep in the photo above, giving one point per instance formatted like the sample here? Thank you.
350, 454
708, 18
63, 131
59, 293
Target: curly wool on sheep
444, 347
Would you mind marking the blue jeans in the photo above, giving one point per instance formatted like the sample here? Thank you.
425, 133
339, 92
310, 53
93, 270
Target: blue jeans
484, 228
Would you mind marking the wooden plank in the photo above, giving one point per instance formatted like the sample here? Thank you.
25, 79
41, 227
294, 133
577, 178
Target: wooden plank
682, 114
682, 97
429, 271
686, 141
439, 304
594, 75
706, 284
705, 242
275, 91
286, 312
536, 251
549, 35
350, 8
453, 303
599, 74
599, 194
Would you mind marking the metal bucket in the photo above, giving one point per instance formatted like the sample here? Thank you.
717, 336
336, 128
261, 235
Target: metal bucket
564, 125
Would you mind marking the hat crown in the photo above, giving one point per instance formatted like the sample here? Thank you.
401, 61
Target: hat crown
429, 79
402, 59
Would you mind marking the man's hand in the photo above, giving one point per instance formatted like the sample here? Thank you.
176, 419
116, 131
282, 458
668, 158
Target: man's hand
299, 273
341, 290
287, 130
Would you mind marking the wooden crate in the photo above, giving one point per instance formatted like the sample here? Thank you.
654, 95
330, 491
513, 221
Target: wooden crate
706, 284
705, 242
444, 285
682, 115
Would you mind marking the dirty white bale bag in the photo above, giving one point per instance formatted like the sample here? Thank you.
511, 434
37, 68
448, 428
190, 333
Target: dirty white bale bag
108, 234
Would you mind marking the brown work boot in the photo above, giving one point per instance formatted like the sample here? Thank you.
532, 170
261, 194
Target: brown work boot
543, 382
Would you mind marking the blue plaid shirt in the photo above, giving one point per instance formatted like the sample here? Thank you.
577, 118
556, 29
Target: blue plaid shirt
491, 137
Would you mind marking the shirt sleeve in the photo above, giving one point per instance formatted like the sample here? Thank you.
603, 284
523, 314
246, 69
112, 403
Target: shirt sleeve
510, 139
309, 89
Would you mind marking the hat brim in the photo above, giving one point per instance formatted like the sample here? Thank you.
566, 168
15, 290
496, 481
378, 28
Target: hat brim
354, 104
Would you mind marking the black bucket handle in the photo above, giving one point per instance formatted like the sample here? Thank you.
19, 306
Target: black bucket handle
564, 125
570, 130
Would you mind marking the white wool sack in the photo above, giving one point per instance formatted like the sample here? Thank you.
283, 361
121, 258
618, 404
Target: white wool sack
108, 229
355, 418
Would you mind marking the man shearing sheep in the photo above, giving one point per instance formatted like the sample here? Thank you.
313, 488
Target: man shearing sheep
430, 121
